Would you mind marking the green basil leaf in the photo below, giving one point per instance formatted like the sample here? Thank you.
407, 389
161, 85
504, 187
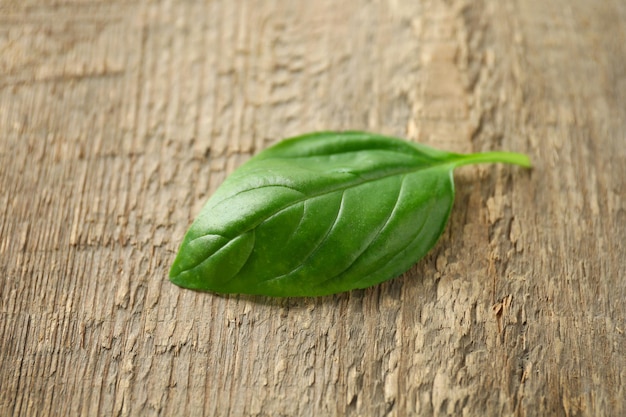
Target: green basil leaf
323, 213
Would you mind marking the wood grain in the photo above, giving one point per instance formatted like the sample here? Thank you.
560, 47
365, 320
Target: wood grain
118, 119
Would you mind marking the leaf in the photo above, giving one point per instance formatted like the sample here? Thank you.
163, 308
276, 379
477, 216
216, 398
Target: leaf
323, 213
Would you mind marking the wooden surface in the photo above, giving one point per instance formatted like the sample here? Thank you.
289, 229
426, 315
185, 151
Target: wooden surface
118, 119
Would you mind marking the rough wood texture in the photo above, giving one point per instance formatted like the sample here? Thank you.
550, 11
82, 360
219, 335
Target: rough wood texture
118, 119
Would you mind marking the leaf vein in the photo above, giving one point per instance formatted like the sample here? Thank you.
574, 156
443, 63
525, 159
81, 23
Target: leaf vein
373, 239
317, 247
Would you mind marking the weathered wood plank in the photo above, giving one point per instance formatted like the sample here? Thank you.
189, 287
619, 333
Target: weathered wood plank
118, 120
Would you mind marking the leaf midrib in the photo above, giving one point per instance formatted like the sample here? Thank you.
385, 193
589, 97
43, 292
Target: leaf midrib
341, 187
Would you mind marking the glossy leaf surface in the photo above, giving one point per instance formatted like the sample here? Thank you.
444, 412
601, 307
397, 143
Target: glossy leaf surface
322, 213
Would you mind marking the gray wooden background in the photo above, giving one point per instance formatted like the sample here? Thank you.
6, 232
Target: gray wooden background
118, 119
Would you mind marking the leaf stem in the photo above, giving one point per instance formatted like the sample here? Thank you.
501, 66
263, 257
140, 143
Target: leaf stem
494, 157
